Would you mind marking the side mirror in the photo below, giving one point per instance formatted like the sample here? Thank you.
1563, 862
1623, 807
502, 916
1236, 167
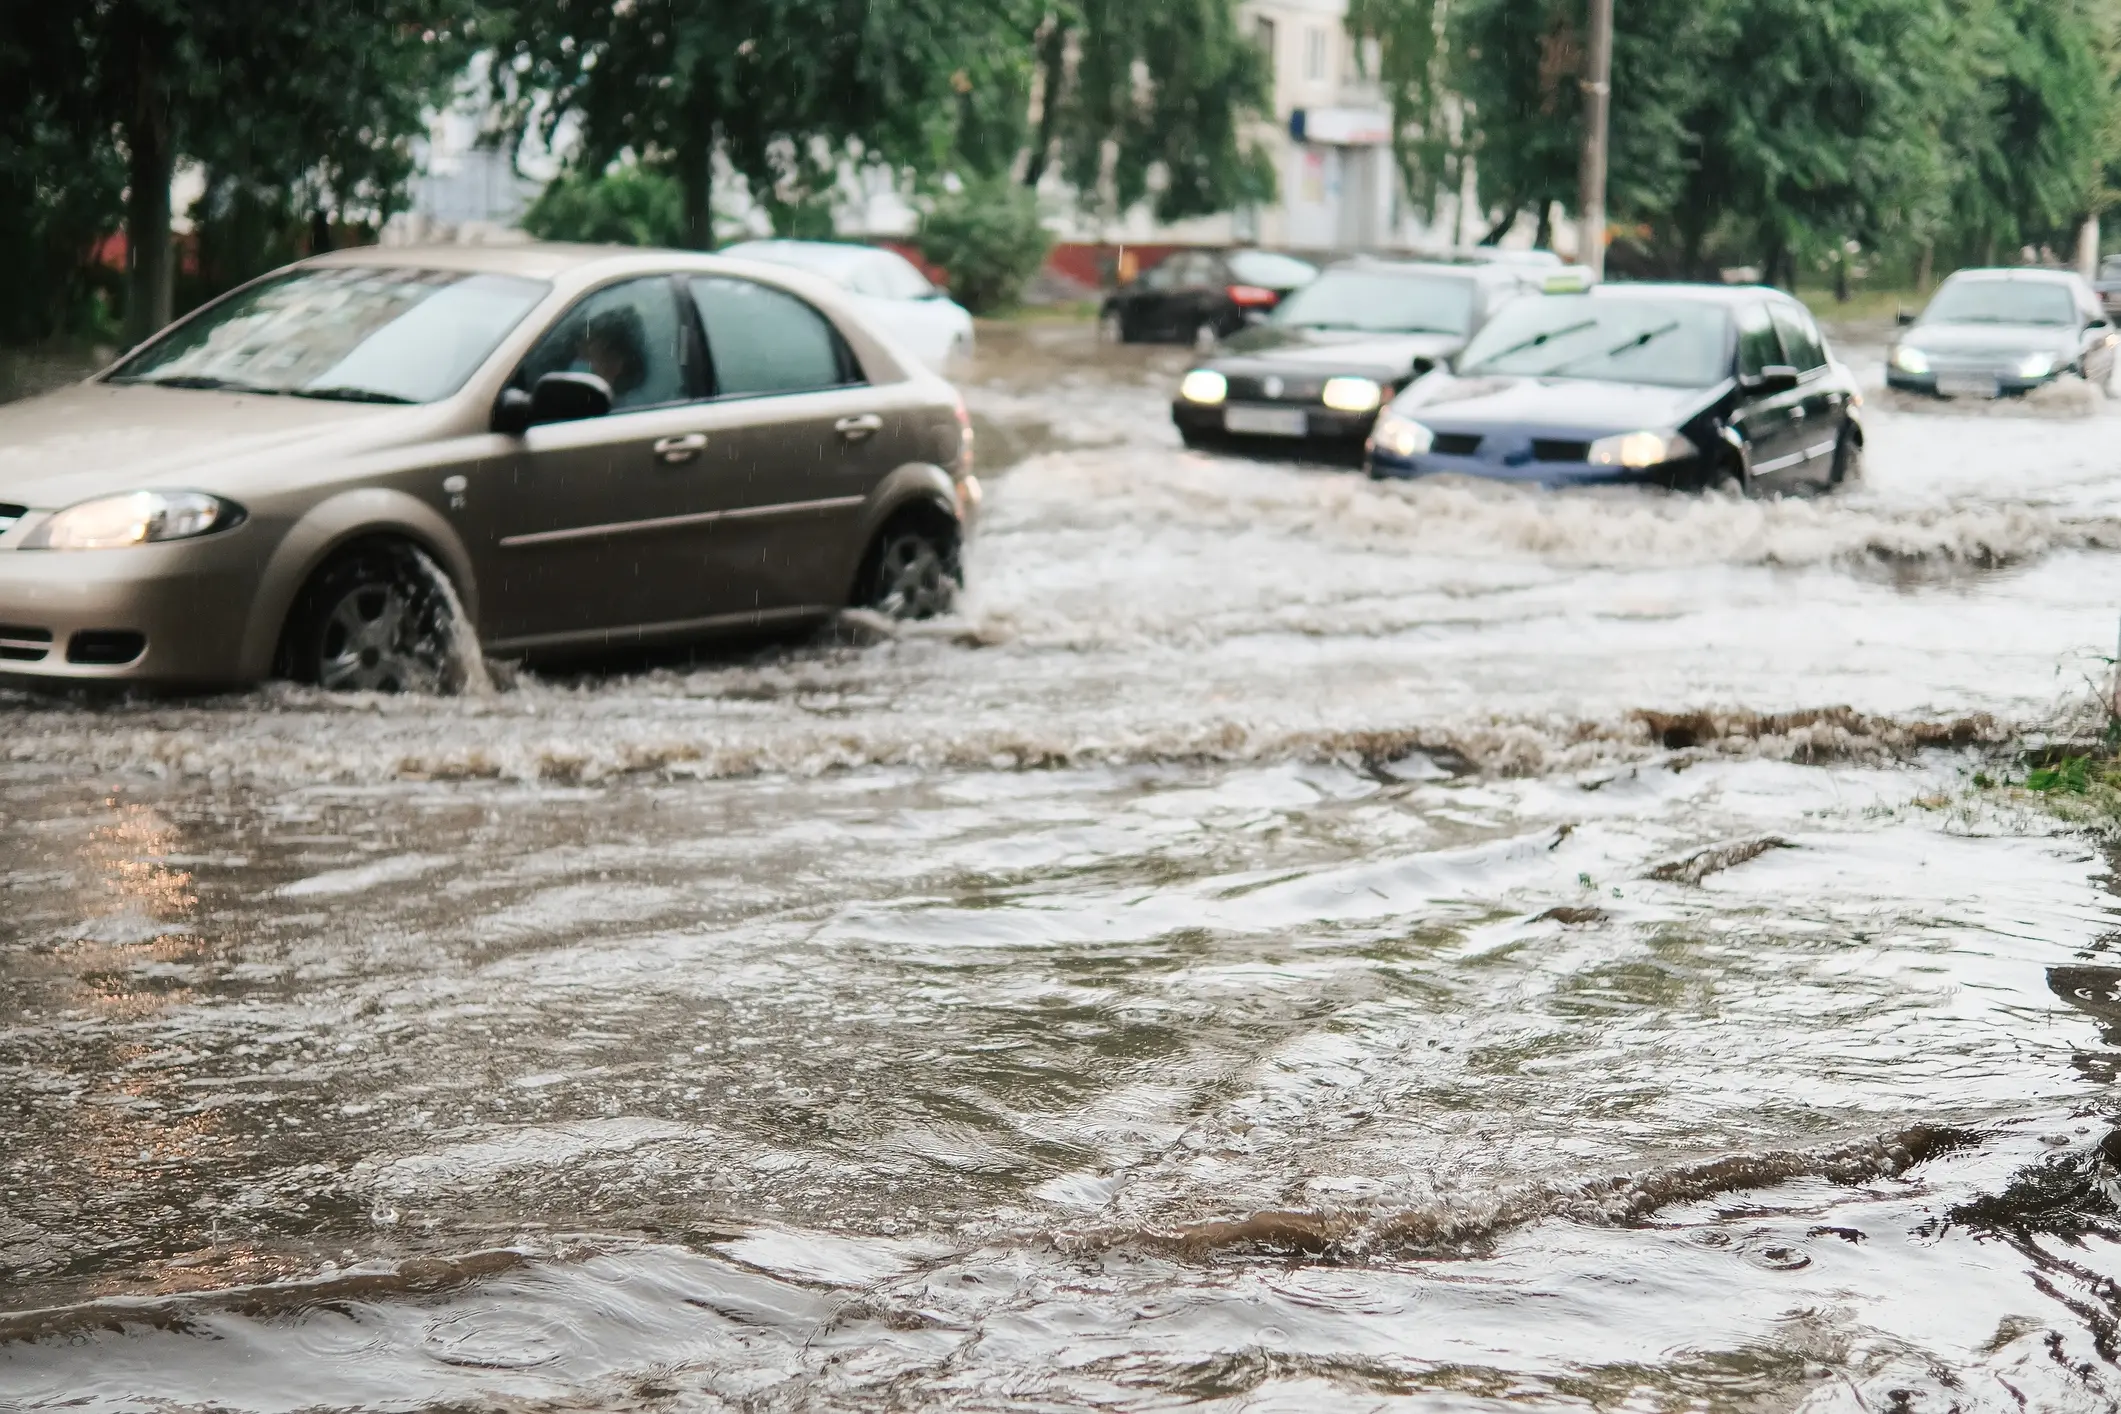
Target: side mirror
558, 397
1903, 317
1775, 378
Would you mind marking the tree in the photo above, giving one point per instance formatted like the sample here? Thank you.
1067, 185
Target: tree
627, 205
1137, 96
989, 240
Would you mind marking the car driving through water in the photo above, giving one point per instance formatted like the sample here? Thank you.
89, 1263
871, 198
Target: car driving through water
1992, 333
584, 446
1313, 375
1675, 385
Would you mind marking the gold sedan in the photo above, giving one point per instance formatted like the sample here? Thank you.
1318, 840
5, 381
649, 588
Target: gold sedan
580, 446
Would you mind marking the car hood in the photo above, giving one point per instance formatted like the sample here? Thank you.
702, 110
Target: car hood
1384, 356
1990, 338
1584, 406
94, 439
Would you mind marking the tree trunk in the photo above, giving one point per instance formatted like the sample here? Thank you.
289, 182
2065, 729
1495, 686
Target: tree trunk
1053, 71
1841, 279
1927, 269
150, 164
695, 158
1502, 228
1543, 238
319, 232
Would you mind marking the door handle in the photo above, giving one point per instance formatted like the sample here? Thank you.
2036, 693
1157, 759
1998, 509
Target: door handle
854, 429
672, 450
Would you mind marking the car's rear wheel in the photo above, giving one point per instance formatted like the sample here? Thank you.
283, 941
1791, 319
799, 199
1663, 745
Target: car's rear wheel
1204, 338
912, 571
378, 618
1112, 329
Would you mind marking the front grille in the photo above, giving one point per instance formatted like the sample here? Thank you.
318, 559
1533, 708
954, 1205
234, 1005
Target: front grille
105, 647
1545, 449
1455, 444
9, 515
24, 645
1251, 388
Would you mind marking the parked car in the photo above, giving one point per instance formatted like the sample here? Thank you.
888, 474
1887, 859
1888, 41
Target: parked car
585, 446
1199, 296
885, 288
2108, 287
1673, 385
1990, 333
1313, 375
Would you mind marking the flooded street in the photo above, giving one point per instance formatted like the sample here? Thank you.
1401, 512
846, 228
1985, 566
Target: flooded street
1287, 942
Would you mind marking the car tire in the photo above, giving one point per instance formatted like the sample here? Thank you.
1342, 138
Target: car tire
378, 618
1205, 338
1848, 461
912, 570
1733, 475
1112, 328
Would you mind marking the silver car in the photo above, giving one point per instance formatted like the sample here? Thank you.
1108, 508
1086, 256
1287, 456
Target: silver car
561, 447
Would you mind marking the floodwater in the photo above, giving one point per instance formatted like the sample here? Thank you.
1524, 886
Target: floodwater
1286, 943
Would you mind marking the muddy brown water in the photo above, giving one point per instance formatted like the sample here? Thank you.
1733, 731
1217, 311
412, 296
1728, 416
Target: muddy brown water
1286, 943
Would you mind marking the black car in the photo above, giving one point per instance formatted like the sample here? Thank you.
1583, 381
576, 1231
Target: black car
1672, 385
1198, 296
1988, 333
1314, 373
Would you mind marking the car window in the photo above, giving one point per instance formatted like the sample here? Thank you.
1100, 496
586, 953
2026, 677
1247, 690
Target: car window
1758, 346
1800, 338
1190, 270
630, 335
1270, 271
903, 277
762, 340
1381, 302
2001, 301
1161, 275
358, 333
1671, 343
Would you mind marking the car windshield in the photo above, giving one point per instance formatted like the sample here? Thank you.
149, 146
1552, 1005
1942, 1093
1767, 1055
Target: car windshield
1271, 271
1379, 302
1671, 343
2001, 302
378, 334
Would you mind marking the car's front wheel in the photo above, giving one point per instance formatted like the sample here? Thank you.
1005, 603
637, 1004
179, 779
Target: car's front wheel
379, 618
1848, 461
912, 571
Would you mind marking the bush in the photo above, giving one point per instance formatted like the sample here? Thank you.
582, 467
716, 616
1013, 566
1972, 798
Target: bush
988, 240
627, 205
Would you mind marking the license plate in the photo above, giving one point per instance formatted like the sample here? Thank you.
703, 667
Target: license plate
1266, 422
1967, 387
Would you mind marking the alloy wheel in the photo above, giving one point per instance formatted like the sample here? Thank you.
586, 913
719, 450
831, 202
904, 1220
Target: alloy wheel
381, 637
912, 579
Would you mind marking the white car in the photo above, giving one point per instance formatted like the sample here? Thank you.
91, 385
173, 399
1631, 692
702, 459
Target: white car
886, 287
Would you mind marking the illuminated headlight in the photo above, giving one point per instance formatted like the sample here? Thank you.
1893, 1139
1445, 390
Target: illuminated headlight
1204, 385
2036, 365
1401, 436
1909, 359
1639, 449
1351, 394
136, 518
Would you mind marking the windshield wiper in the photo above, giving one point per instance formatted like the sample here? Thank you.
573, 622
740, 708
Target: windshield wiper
1537, 339
204, 381
347, 395
1622, 347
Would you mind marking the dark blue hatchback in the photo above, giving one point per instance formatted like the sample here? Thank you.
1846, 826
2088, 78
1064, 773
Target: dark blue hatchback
1672, 385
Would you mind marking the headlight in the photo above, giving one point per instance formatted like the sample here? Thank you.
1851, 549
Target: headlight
2036, 365
1639, 449
1204, 385
136, 518
1351, 394
1401, 436
1909, 359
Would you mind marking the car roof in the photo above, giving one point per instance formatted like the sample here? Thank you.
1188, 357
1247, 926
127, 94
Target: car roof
816, 255
1464, 270
547, 260
2028, 274
1686, 290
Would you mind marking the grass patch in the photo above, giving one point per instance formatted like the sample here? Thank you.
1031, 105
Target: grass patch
1863, 306
1065, 312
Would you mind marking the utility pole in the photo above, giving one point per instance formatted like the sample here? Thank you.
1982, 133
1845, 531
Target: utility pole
1597, 100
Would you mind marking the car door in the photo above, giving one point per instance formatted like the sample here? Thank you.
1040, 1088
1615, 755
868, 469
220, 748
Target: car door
1817, 412
1762, 417
1196, 296
797, 439
598, 526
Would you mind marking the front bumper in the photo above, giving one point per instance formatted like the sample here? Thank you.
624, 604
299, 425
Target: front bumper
1383, 466
2007, 384
1338, 433
70, 615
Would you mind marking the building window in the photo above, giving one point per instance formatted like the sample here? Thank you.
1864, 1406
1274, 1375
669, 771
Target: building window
1263, 36
1315, 54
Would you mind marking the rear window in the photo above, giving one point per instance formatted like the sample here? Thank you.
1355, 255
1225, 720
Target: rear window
1271, 271
1379, 302
1671, 343
763, 340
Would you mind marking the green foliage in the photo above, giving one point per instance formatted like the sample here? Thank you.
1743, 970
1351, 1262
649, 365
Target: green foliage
989, 239
2071, 775
1414, 69
626, 205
